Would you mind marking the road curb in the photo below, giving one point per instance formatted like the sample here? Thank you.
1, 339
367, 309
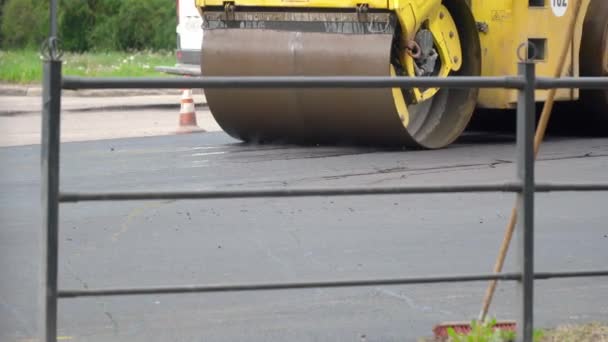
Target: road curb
36, 90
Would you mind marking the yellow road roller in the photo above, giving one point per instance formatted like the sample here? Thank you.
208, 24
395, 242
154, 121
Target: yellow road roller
416, 38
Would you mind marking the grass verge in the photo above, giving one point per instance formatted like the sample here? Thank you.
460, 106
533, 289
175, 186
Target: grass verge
25, 66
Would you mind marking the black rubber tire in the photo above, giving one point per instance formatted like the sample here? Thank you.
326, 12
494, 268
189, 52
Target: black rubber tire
593, 61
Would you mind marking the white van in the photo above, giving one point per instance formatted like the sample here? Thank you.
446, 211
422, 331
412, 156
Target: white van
189, 39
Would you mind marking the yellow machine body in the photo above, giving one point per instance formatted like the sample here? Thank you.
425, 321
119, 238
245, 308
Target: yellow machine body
513, 22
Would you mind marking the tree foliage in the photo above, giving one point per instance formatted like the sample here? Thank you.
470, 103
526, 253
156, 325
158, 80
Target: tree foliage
91, 24
24, 23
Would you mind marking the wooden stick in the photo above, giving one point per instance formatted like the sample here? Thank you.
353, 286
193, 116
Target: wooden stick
538, 139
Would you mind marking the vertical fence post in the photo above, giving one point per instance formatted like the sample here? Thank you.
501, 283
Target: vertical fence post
525, 199
51, 104
53, 18
51, 107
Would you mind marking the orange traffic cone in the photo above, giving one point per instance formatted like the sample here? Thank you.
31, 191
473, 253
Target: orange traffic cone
187, 114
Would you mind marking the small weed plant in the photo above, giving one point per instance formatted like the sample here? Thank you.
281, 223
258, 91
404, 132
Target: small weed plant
486, 332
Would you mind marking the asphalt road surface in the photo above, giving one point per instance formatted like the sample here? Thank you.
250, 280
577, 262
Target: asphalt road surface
307, 239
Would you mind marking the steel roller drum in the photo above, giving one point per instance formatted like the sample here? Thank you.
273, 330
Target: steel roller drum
320, 44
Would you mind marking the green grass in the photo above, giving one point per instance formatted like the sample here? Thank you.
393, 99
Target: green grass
25, 66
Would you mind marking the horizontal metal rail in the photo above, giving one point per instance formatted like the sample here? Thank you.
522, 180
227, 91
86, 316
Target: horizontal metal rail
297, 192
572, 187
320, 284
73, 82
322, 192
511, 82
572, 82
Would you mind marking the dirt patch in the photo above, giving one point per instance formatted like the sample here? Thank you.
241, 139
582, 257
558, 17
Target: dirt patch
594, 332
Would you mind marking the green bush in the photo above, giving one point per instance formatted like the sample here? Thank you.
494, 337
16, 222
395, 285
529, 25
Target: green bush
146, 24
104, 34
91, 24
75, 23
24, 23
1, 8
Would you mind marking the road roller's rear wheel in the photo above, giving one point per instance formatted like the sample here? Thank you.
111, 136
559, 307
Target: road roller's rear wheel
296, 42
594, 60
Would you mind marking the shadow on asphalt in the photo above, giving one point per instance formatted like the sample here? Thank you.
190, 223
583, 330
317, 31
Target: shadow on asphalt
568, 120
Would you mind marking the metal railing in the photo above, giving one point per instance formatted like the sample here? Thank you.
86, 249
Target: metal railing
525, 83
